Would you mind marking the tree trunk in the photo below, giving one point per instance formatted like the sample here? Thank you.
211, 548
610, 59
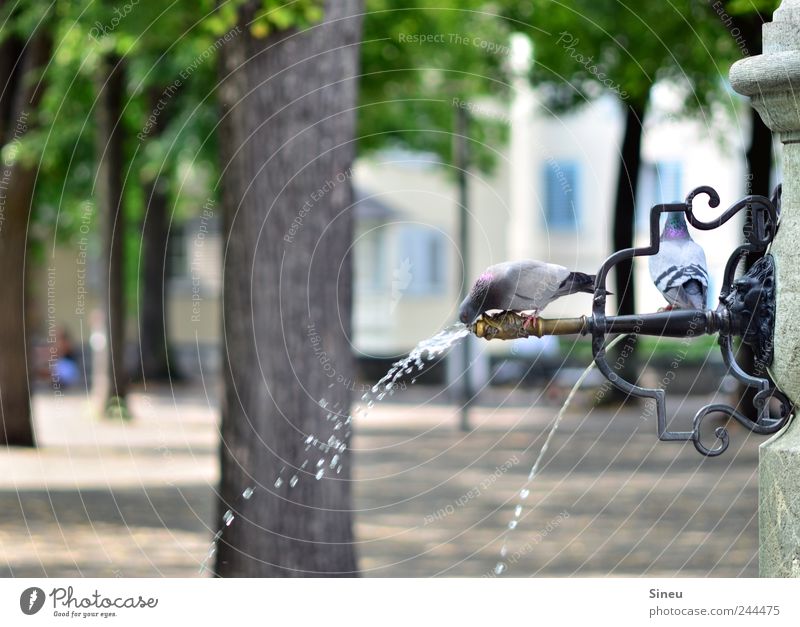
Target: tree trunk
153, 350
624, 355
108, 193
153, 345
625, 205
20, 99
287, 146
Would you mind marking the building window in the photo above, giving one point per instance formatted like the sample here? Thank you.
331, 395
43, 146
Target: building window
370, 256
421, 266
562, 195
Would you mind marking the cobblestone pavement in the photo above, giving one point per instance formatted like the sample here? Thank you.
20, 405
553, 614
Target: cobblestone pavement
111, 499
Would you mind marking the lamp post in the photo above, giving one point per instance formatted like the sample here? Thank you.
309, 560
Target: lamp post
461, 154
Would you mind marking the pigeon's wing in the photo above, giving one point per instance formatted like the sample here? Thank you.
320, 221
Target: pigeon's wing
532, 284
676, 264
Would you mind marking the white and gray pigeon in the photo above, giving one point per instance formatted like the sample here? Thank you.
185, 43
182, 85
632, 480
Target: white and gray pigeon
679, 269
521, 286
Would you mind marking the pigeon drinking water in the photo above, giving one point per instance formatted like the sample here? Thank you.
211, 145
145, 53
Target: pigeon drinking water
521, 286
679, 269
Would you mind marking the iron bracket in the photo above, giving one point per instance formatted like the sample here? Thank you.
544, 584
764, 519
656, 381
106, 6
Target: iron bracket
746, 309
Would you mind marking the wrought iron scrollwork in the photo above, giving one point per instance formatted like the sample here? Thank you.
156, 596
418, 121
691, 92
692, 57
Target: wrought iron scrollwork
746, 308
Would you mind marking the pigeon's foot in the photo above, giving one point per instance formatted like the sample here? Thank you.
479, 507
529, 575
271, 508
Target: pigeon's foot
667, 308
528, 320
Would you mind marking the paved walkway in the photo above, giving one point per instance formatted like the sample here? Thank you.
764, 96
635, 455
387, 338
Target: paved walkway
110, 499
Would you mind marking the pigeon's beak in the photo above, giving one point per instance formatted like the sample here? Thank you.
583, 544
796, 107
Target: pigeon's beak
466, 312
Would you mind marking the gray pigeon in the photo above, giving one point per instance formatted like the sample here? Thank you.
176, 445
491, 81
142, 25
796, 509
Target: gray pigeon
679, 269
521, 286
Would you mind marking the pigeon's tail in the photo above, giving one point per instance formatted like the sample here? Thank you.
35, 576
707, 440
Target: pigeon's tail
577, 282
690, 295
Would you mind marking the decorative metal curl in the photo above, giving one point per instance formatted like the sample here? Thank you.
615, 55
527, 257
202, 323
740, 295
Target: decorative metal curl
746, 308
763, 427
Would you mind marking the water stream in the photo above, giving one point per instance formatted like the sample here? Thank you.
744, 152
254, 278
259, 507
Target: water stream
525, 491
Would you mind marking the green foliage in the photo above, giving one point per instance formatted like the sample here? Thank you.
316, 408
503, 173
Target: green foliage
417, 61
746, 7
266, 16
586, 47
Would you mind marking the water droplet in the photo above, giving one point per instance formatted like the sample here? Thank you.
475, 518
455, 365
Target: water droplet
503, 551
500, 568
413, 381
309, 439
278, 482
248, 493
293, 481
323, 403
320, 473
524, 493
304, 464
512, 524
320, 462
518, 511
228, 518
334, 461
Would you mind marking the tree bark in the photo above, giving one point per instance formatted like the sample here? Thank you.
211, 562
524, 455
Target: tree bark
108, 195
23, 92
154, 350
625, 205
287, 146
623, 232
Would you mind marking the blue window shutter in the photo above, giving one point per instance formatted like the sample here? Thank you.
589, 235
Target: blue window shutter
422, 250
562, 194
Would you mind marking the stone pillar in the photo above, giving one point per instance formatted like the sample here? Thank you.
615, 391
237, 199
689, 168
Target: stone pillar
772, 81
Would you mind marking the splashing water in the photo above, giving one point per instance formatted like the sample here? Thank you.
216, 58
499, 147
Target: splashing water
426, 351
227, 519
525, 492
